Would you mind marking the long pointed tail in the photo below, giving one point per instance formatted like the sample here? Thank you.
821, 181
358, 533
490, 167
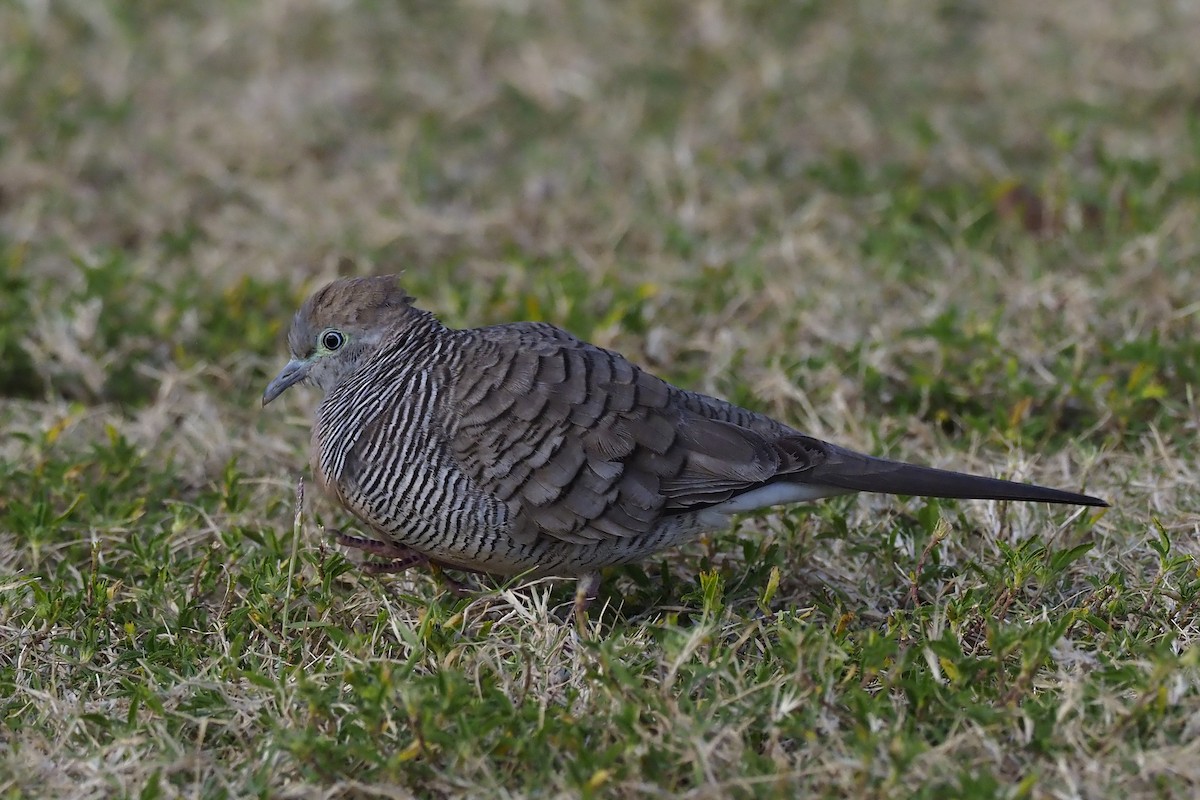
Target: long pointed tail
846, 469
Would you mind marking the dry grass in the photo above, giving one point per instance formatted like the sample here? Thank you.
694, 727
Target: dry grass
961, 233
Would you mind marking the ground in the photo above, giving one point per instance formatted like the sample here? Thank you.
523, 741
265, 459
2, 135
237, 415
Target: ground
966, 234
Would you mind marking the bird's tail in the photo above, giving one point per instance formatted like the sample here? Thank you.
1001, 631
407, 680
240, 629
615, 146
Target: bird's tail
846, 469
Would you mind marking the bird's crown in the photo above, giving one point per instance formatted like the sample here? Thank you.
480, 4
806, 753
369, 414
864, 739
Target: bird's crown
360, 304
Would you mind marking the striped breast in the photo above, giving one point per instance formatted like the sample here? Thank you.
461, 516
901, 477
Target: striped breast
376, 446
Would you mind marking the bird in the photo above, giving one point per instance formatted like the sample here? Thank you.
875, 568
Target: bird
520, 449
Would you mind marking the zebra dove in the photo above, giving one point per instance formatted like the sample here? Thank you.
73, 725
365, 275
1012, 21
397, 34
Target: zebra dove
519, 448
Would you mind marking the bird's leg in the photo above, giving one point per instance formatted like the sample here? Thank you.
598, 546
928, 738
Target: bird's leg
399, 558
585, 592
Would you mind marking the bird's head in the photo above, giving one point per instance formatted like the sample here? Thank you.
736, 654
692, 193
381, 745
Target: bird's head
338, 328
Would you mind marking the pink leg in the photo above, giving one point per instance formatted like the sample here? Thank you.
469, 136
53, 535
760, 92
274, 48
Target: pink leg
398, 559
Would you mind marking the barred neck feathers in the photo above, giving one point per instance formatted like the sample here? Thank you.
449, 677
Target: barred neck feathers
398, 370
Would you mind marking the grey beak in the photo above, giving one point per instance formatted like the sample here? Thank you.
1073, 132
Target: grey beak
292, 373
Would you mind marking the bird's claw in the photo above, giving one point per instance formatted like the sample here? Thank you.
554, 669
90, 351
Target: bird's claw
398, 558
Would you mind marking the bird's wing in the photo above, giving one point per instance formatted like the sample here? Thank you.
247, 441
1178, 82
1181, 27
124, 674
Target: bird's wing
582, 445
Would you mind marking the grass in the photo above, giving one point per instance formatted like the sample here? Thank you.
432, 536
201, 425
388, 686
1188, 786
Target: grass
961, 234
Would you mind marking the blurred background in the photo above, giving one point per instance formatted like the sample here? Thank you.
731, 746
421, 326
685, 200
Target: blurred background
964, 233
825, 198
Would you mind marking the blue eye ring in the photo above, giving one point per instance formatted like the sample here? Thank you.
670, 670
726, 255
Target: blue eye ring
332, 339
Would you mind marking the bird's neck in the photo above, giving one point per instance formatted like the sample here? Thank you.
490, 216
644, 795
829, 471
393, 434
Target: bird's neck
418, 335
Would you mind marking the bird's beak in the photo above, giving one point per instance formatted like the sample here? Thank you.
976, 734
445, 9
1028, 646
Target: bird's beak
293, 372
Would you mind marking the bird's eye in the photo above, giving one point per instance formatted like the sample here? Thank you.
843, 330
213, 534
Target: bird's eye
332, 340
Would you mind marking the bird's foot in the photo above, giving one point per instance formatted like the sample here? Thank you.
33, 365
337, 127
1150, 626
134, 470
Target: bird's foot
398, 558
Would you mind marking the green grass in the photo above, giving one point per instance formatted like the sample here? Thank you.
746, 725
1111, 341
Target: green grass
962, 236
